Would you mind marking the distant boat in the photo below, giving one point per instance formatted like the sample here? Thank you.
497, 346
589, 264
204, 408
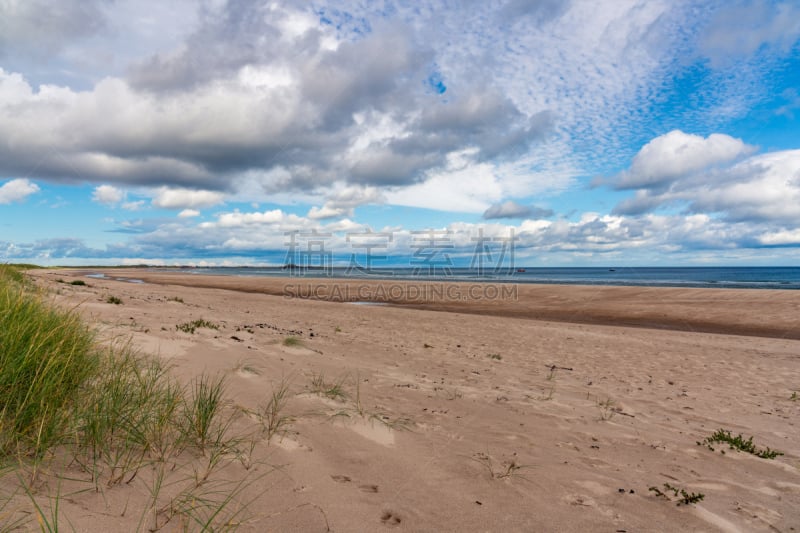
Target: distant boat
520, 270
612, 269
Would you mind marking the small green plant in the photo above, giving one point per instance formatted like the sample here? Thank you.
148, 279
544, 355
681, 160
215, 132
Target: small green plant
113, 300
738, 442
684, 498
333, 391
292, 341
202, 411
505, 469
78, 282
495, 356
337, 329
271, 413
794, 397
194, 325
175, 299
607, 409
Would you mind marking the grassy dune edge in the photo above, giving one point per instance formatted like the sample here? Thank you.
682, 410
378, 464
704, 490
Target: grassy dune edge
79, 417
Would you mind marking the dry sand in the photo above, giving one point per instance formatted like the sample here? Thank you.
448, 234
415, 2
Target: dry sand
596, 394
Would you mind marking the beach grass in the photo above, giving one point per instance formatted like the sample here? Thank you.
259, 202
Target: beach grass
194, 325
112, 414
47, 355
292, 341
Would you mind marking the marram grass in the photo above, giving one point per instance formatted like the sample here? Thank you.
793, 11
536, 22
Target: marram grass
112, 414
46, 354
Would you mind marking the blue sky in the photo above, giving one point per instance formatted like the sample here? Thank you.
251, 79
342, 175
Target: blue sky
596, 133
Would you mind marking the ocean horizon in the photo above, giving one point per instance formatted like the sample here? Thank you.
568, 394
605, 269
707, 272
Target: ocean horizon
787, 278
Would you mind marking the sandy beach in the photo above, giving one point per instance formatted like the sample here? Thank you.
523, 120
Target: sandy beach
532, 408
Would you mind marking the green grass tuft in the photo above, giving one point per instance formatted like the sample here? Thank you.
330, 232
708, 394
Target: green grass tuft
738, 442
194, 325
202, 412
292, 341
333, 391
72, 409
46, 356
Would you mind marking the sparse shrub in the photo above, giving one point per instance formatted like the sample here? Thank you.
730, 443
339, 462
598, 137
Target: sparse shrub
684, 498
113, 300
78, 282
738, 442
194, 325
292, 341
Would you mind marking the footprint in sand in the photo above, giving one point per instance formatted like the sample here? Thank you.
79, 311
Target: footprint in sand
368, 488
390, 518
341, 479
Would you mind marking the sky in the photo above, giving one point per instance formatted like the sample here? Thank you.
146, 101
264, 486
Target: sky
577, 133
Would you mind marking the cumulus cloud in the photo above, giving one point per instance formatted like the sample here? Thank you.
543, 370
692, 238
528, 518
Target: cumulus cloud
703, 176
511, 209
677, 154
17, 190
328, 211
253, 237
167, 198
107, 195
189, 213
279, 90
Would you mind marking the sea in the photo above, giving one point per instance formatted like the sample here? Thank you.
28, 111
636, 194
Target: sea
704, 277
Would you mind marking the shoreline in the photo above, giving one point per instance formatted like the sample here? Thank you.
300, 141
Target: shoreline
770, 313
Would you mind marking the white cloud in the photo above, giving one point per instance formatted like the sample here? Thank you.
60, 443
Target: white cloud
763, 187
237, 219
781, 238
465, 189
107, 195
189, 213
327, 211
677, 154
189, 119
167, 198
17, 190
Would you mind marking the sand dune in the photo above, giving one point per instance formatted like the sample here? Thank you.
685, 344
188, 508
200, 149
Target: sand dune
542, 413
